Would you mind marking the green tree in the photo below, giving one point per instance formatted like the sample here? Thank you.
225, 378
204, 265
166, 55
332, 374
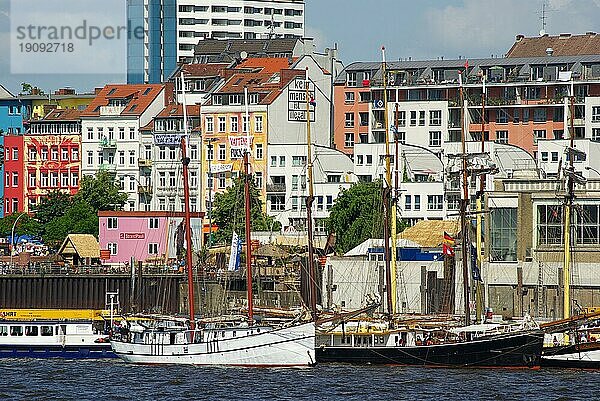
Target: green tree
357, 215
101, 192
229, 212
52, 206
25, 226
79, 218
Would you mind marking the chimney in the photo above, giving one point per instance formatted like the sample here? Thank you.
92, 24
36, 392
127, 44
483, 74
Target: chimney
519, 37
549, 51
564, 35
591, 33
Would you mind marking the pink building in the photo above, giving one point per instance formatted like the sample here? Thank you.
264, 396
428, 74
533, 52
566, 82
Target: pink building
150, 237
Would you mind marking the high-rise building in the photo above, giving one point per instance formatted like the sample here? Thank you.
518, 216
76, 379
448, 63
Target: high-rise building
172, 28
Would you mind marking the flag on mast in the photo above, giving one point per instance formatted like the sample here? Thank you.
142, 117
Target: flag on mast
236, 250
448, 244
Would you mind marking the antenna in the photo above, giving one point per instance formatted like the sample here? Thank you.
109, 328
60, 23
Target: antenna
544, 17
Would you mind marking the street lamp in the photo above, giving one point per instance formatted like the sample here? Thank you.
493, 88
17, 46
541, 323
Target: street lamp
12, 238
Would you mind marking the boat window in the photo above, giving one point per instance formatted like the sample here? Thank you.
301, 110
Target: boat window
31, 331
258, 330
16, 330
222, 334
234, 333
46, 331
3, 330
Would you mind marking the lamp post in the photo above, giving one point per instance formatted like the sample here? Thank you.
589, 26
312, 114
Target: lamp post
12, 238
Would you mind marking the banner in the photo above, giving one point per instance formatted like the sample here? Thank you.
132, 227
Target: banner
220, 168
236, 250
167, 139
238, 146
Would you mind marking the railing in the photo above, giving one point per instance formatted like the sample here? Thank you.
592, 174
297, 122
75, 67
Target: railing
110, 167
275, 187
144, 162
108, 143
54, 269
145, 189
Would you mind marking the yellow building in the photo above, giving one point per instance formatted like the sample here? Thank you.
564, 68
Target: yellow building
41, 105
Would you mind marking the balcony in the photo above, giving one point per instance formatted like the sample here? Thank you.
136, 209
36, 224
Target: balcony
276, 188
111, 110
145, 189
109, 167
108, 143
144, 163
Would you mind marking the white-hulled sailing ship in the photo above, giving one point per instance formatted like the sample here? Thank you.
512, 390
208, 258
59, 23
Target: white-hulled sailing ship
177, 341
423, 341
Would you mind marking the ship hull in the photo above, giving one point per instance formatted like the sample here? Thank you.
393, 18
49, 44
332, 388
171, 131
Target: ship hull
56, 351
577, 356
520, 350
285, 347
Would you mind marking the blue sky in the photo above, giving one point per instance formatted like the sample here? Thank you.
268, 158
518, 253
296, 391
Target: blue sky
421, 29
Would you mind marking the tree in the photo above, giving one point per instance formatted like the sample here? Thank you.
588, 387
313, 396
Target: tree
79, 218
229, 212
25, 226
52, 206
357, 215
101, 192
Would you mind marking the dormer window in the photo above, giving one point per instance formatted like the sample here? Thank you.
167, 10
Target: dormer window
217, 100
253, 98
235, 99
118, 102
147, 91
113, 90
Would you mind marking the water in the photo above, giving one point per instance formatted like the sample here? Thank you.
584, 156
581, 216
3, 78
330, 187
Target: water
29, 379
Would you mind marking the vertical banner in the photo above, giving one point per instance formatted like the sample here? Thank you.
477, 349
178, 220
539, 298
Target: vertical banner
234, 256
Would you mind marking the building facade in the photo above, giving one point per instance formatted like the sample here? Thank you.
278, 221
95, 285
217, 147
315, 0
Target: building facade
14, 185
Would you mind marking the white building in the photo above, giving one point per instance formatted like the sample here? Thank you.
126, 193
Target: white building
111, 135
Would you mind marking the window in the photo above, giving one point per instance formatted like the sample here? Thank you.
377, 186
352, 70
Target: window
112, 248
351, 79
74, 179
558, 133
364, 119
31, 331
222, 152
502, 116
121, 157
152, 248
294, 203
349, 120
221, 182
32, 154
334, 178
162, 205
539, 134
15, 179
417, 202
349, 142
46, 331
544, 156
435, 138
74, 154
210, 152
122, 133
244, 124
554, 156
435, 202
209, 124
112, 223
233, 121
222, 124
132, 157
501, 136
435, 118
32, 180
162, 153
273, 161
15, 205
281, 161
587, 224
539, 115
596, 134
596, 114
64, 180
44, 153
172, 179
172, 151
359, 160
329, 204
421, 118
132, 133
54, 180
258, 179
550, 224
400, 118
16, 330
258, 123
15, 153
258, 151
349, 97
413, 118
132, 183
369, 160
298, 161
153, 223
45, 180
407, 202
193, 179
90, 133
193, 152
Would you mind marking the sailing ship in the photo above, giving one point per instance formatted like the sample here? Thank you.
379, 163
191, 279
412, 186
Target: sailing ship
414, 342
183, 341
572, 340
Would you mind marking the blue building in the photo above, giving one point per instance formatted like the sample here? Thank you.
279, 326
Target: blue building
160, 36
11, 122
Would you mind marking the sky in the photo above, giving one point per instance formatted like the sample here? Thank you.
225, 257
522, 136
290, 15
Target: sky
421, 29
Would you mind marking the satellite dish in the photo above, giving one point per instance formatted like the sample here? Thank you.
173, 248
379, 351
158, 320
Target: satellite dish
243, 55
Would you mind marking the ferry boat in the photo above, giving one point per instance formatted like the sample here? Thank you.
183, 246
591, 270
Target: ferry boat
72, 334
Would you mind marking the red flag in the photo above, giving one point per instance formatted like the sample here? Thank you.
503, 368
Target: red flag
447, 250
448, 244
467, 64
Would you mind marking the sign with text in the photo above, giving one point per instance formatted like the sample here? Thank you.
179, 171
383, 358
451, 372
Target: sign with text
132, 236
167, 139
220, 168
238, 146
297, 100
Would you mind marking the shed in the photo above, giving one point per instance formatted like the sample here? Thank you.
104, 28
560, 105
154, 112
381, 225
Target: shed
80, 250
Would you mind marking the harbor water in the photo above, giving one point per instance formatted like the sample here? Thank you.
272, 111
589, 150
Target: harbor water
29, 379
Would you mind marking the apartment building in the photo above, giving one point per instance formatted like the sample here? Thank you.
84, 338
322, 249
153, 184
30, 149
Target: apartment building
110, 138
172, 29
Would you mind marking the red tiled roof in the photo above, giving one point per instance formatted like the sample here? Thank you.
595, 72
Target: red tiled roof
562, 45
139, 96
62, 115
176, 110
268, 65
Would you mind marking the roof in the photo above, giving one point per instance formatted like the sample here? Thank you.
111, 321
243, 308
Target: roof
204, 70
139, 97
176, 110
268, 65
61, 115
122, 213
363, 248
5, 93
430, 233
84, 245
562, 45
251, 46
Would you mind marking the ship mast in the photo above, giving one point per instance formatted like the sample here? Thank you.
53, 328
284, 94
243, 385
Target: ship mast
247, 208
464, 206
567, 217
390, 254
309, 202
188, 219
480, 199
